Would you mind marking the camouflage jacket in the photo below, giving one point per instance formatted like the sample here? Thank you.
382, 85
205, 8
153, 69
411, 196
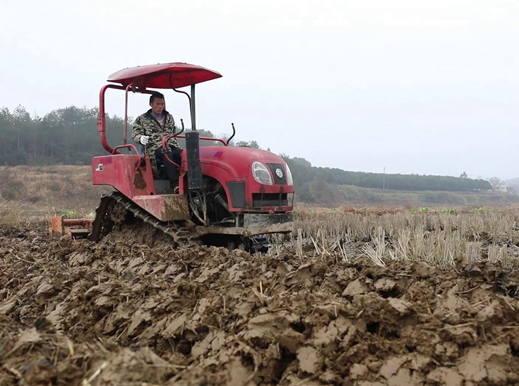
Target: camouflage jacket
145, 124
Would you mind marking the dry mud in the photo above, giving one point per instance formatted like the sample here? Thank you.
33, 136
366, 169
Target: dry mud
123, 313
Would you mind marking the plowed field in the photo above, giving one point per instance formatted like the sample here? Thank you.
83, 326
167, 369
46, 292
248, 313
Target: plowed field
124, 313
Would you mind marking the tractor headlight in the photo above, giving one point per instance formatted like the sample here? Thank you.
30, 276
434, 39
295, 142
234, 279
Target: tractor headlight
261, 173
290, 180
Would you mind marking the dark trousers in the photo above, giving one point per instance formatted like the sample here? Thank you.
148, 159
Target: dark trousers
171, 170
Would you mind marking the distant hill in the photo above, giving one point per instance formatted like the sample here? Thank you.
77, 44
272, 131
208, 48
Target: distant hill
321, 185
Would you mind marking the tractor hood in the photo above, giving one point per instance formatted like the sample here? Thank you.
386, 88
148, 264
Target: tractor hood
236, 161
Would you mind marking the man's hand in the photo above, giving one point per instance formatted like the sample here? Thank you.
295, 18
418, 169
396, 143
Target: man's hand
144, 139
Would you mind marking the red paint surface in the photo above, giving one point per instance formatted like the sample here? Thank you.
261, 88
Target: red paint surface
164, 75
125, 173
223, 163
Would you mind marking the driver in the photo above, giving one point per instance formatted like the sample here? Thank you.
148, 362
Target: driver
148, 130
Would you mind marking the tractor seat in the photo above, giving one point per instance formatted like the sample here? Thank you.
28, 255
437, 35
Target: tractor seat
141, 151
161, 170
158, 161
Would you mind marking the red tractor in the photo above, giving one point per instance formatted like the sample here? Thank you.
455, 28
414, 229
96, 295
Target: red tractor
228, 195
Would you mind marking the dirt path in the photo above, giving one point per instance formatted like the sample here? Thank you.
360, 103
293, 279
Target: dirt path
75, 313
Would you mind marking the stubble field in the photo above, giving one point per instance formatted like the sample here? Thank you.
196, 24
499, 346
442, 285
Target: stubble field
369, 297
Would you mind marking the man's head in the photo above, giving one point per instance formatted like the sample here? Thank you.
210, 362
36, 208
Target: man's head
157, 103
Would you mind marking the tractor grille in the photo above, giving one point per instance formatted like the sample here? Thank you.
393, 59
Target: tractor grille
237, 191
277, 180
260, 200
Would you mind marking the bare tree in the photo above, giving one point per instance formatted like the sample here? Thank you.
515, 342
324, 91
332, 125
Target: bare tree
496, 182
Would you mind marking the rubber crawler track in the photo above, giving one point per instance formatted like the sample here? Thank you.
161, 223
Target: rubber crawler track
103, 224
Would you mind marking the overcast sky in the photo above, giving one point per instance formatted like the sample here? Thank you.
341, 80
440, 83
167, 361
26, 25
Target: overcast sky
412, 86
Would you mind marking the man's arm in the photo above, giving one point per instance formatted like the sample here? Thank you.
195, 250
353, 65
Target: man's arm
137, 129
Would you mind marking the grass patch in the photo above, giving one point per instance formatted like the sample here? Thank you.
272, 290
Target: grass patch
354, 195
53, 189
10, 212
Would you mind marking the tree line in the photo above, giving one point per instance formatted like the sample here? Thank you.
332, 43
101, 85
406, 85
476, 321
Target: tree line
69, 136
64, 136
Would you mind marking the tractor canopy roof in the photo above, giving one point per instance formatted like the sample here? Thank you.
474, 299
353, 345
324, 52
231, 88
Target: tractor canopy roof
164, 75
